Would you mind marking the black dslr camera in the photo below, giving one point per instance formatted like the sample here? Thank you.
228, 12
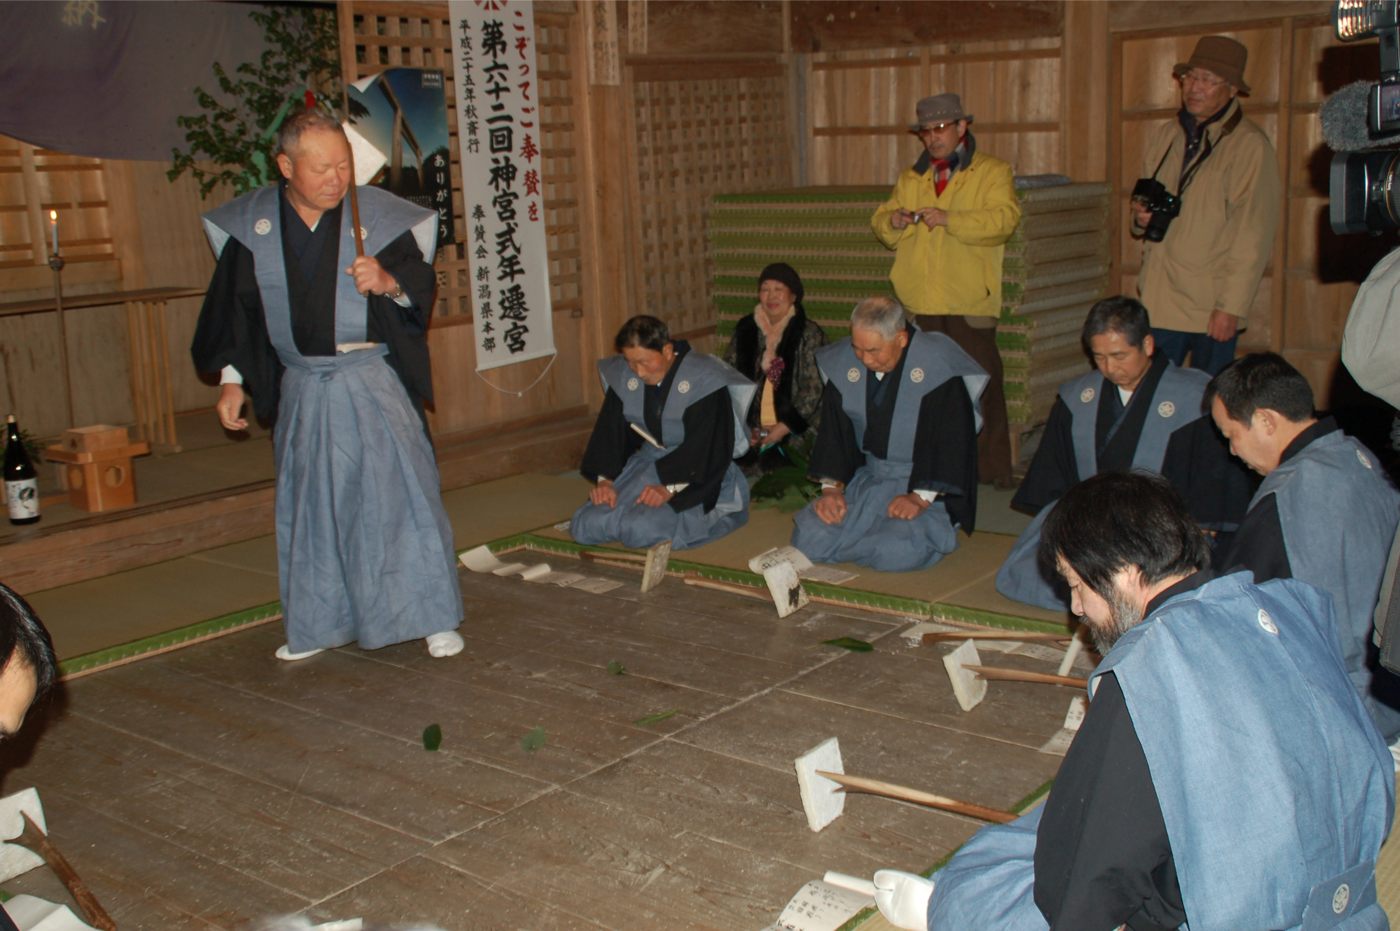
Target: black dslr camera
1154, 196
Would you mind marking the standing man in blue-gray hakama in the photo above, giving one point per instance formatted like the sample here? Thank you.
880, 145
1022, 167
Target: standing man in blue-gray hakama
1226, 776
661, 456
897, 451
1136, 411
1325, 512
334, 347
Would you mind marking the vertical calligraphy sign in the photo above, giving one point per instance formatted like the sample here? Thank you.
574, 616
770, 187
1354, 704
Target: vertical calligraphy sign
498, 135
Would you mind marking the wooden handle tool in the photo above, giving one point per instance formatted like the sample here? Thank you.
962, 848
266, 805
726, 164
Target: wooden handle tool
1021, 675
918, 797
33, 838
953, 636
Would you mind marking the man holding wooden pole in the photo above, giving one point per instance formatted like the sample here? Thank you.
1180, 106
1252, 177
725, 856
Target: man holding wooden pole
319, 308
1226, 775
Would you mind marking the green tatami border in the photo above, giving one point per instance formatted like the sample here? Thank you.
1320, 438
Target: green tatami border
199, 631
857, 598
161, 643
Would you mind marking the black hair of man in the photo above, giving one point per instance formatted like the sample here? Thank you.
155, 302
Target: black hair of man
1119, 520
1124, 315
22, 633
1261, 380
298, 124
642, 332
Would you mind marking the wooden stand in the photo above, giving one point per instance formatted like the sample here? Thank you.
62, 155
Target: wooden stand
97, 466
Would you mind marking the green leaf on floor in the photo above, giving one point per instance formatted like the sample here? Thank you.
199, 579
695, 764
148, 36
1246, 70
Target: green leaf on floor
533, 740
850, 643
616, 669
659, 716
432, 737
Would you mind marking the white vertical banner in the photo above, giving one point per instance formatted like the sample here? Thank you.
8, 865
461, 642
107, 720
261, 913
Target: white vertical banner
498, 133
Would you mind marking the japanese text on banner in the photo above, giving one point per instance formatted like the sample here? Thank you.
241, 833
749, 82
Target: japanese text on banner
498, 132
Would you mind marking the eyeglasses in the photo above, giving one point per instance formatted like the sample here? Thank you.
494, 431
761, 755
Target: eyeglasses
936, 127
1203, 78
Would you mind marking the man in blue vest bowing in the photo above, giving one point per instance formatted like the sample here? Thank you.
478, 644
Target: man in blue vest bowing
661, 456
897, 451
1226, 775
1325, 513
333, 345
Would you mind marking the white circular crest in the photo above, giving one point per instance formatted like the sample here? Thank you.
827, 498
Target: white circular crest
632, 384
1267, 622
364, 233
853, 374
916, 375
683, 387
1340, 898
1086, 395
1166, 408
1364, 461
263, 226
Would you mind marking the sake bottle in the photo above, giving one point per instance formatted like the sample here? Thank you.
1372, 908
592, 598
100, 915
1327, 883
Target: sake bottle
21, 481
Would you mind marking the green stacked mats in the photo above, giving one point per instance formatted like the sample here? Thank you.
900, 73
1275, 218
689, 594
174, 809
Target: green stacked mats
1056, 266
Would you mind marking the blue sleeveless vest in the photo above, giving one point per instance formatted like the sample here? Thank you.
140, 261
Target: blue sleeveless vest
699, 376
1339, 513
255, 221
1175, 403
1275, 786
930, 360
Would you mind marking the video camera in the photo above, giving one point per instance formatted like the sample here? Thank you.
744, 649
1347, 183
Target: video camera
1363, 188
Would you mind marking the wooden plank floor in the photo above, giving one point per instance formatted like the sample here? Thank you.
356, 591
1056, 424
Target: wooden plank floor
213, 786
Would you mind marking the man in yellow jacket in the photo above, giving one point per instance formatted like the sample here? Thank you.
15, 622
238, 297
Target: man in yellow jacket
1205, 248
948, 220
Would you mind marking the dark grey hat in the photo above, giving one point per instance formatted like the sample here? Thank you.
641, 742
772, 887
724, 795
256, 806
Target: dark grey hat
1221, 56
940, 108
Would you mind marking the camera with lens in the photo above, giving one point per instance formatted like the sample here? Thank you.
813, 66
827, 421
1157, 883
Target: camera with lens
1364, 187
1153, 195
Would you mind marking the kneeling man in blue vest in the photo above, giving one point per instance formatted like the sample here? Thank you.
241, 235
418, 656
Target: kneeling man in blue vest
1226, 776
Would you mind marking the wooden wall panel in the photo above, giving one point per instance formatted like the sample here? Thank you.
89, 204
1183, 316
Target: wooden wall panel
1204, 15
834, 25
31, 381
712, 27
161, 243
861, 105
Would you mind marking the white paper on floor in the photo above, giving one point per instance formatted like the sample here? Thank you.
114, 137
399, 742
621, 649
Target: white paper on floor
1058, 745
820, 906
805, 570
481, 559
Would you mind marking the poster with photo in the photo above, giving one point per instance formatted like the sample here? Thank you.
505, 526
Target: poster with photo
402, 112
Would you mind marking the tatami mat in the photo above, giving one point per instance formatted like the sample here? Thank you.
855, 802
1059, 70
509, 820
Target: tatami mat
963, 579
106, 613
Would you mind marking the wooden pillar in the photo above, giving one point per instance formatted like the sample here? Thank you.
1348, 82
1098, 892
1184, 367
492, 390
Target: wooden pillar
606, 149
1084, 91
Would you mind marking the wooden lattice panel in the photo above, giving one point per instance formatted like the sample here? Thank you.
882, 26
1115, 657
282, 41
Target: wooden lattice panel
395, 39
697, 137
34, 181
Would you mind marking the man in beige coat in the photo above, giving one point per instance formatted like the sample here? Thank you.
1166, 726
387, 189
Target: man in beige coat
1201, 268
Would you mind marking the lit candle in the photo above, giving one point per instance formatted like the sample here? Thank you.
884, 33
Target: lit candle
53, 228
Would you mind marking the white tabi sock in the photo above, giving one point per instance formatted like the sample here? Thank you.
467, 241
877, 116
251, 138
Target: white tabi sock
284, 652
445, 643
